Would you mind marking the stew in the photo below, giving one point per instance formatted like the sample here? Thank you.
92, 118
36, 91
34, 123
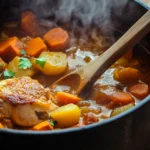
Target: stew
33, 56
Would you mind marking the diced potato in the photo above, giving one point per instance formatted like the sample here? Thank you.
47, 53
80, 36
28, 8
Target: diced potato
56, 63
121, 109
66, 116
126, 75
3, 65
13, 66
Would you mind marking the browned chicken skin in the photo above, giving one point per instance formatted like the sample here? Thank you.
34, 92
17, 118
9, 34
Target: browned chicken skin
25, 101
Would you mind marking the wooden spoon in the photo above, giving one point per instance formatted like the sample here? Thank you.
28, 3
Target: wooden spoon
82, 79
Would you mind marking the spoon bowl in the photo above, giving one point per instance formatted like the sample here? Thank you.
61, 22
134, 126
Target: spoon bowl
82, 79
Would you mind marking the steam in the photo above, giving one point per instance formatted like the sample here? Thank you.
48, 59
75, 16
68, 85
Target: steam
86, 12
80, 15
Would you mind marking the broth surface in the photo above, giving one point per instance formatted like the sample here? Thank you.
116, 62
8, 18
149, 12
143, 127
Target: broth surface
121, 87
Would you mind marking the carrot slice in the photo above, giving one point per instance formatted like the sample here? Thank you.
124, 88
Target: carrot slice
57, 39
140, 90
30, 24
35, 47
126, 75
10, 48
122, 98
64, 98
1, 125
45, 125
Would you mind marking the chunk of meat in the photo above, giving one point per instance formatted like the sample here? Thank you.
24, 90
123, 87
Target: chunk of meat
102, 97
31, 25
102, 94
57, 39
35, 47
23, 99
89, 119
10, 48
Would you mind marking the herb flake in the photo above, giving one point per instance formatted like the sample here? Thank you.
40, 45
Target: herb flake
23, 52
52, 122
41, 61
8, 74
24, 63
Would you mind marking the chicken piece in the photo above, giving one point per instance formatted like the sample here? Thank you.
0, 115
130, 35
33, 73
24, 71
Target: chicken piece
25, 101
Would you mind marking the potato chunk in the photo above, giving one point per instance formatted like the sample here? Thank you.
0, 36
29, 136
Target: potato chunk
14, 66
126, 75
66, 116
56, 63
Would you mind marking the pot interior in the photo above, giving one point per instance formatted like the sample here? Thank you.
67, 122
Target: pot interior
92, 29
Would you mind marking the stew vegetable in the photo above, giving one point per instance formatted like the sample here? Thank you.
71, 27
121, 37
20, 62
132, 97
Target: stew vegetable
32, 57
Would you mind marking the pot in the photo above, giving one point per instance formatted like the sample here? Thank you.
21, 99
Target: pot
129, 130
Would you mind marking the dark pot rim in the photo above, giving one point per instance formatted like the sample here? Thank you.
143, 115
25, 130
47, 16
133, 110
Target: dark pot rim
78, 129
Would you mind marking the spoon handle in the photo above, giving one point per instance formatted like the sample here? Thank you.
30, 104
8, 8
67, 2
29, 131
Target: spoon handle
92, 71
